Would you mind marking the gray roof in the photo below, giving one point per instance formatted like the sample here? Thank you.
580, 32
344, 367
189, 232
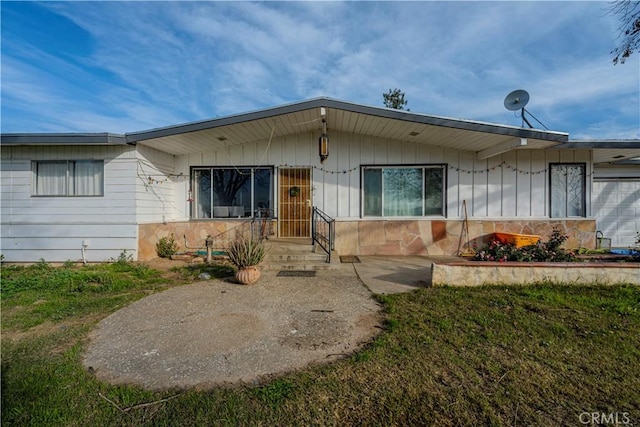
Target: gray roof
270, 113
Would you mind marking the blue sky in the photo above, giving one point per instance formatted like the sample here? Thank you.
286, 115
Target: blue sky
131, 66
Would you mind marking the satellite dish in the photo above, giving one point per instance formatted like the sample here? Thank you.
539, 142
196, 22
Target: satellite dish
516, 100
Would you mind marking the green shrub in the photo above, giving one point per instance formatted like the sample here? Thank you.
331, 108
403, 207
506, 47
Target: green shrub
166, 246
549, 251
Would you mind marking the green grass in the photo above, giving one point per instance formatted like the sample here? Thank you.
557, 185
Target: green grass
41, 293
537, 355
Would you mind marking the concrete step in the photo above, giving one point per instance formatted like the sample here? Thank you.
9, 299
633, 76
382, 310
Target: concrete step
296, 257
296, 254
299, 266
278, 246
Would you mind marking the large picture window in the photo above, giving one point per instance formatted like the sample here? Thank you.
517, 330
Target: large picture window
67, 178
403, 191
231, 192
567, 190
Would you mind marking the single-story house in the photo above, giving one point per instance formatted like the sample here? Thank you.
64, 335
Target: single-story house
395, 182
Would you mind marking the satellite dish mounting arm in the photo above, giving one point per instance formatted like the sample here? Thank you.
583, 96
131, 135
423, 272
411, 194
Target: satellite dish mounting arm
524, 118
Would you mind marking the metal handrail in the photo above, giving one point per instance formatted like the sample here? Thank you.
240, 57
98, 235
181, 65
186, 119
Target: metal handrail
323, 231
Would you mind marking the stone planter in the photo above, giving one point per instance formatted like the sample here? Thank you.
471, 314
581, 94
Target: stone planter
248, 275
477, 273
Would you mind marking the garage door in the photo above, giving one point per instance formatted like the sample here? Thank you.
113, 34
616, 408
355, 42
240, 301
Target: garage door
616, 206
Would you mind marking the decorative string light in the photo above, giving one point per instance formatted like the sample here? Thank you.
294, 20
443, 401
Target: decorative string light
503, 165
332, 172
148, 178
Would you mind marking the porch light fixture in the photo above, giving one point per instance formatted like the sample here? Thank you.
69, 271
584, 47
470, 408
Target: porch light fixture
323, 142
323, 148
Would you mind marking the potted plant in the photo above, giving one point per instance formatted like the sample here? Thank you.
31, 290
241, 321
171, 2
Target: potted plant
246, 254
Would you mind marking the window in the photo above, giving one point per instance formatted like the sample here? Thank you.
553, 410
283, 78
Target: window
230, 192
403, 191
68, 178
567, 190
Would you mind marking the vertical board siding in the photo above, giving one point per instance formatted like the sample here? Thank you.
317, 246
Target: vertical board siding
353, 176
454, 202
494, 187
53, 228
523, 184
343, 187
539, 188
511, 185
480, 188
465, 181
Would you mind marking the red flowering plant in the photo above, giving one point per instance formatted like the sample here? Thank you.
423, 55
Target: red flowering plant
496, 251
549, 251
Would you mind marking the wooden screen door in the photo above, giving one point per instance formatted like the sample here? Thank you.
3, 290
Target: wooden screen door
294, 207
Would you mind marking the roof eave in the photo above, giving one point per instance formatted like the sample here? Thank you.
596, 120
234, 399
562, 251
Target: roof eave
559, 137
62, 139
602, 143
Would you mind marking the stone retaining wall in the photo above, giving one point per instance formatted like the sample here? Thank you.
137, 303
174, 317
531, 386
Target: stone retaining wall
475, 273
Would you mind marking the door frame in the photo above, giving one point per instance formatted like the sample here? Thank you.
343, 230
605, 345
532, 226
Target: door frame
291, 204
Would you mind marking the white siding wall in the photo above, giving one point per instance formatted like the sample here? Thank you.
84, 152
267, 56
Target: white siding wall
160, 193
53, 228
512, 185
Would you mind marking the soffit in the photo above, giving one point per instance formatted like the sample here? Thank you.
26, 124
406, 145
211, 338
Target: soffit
614, 155
608, 150
469, 136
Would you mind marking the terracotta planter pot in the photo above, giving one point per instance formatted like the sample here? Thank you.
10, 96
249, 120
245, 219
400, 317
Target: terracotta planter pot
248, 275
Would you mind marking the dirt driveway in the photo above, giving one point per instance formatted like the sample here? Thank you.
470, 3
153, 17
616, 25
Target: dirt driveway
216, 331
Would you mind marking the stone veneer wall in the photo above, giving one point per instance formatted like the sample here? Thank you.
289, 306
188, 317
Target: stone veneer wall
191, 235
442, 237
377, 237
474, 273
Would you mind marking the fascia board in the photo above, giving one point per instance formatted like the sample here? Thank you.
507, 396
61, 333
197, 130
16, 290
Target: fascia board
62, 139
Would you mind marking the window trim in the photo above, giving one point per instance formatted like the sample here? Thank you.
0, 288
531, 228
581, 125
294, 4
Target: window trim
584, 188
443, 166
192, 189
34, 178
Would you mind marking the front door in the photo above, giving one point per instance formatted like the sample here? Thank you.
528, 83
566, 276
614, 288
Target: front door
294, 207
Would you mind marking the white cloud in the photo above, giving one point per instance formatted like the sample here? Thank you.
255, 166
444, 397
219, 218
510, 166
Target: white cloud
161, 63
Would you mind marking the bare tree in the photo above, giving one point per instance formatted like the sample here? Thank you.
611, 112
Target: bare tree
629, 30
227, 184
